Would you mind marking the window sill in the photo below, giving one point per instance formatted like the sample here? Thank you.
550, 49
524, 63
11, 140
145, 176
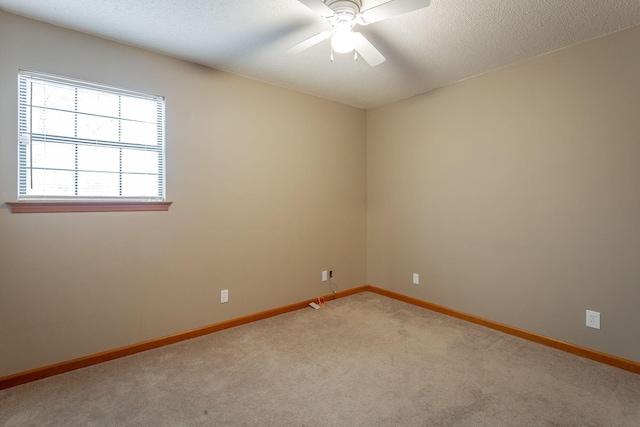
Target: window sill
86, 206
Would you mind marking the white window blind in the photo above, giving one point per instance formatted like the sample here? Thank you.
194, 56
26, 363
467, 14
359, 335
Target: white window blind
80, 140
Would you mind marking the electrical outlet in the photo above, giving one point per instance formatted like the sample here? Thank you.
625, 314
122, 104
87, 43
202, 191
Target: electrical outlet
416, 279
324, 275
224, 296
330, 274
593, 319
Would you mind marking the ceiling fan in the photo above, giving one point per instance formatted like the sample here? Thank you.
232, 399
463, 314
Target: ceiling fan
343, 15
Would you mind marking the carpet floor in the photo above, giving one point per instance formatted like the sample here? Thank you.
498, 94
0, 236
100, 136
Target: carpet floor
363, 360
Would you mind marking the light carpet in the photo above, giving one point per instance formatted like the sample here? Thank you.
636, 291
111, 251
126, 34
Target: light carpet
363, 360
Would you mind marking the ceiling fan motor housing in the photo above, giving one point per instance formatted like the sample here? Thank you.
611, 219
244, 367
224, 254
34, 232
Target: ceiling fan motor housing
345, 12
351, 6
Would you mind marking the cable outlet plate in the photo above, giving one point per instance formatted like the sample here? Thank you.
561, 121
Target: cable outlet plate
593, 319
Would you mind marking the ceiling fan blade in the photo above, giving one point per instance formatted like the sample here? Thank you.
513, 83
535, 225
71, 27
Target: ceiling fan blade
318, 6
306, 44
368, 52
389, 9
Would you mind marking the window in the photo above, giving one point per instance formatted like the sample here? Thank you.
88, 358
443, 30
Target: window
81, 141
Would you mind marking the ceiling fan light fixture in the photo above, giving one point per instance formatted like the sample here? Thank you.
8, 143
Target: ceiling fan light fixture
343, 15
343, 41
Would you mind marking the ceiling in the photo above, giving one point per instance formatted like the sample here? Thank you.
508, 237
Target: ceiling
449, 41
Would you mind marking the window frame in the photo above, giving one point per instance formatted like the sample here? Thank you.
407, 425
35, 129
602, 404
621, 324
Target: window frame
94, 203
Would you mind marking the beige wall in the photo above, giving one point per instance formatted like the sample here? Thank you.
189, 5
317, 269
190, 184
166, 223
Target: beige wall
268, 185
516, 194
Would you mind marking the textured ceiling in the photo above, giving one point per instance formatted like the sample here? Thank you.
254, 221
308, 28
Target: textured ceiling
449, 41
